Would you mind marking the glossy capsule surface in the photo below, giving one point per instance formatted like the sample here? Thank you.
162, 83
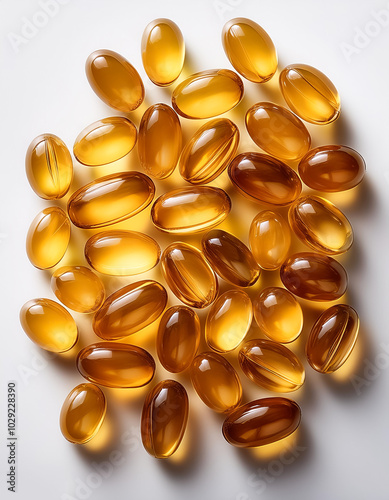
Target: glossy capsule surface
113, 364
49, 167
164, 418
83, 413
49, 325
114, 80
110, 199
208, 94
332, 338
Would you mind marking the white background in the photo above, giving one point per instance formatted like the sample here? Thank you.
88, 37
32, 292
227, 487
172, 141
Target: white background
343, 442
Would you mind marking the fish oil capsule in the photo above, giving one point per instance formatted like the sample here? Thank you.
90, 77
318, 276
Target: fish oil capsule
164, 418
270, 239
208, 94
228, 320
49, 167
113, 364
178, 338
130, 309
49, 325
310, 94
78, 288
261, 422
250, 49
314, 276
114, 80
264, 179
332, 168
48, 238
160, 141
230, 258
278, 314
320, 225
83, 413
188, 275
209, 151
110, 199
216, 382
190, 209
163, 51
277, 131
122, 253
332, 338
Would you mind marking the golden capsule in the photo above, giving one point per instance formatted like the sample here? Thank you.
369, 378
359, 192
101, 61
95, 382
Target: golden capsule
110, 199
332, 338
188, 275
163, 51
209, 151
83, 413
113, 364
122, 253
190, 209
49, 167
78, 288
114, 80
164, 418
130, 309
208, 94
216, 382
49, 325
264, 179
310, 94
178, 338
48, 238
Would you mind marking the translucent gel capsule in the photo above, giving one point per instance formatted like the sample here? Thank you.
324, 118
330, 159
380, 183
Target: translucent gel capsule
310, 94
209, 151
178, 338
164, 418
188, 275
216, 382
78, 288
48, 238
160, 141
49, 167
49, 325
113, 364
130, 309
110, 199
190, 209
228, 320
332, 338
114, 80
122, 253
264, 179
83, 413
163, 51
208, 94
314, 276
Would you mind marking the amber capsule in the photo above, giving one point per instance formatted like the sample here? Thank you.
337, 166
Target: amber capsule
83, 413
49, 325
216, 382
114, 80
208, 94
113, 364
178, 338
264, 179
188, 275
48, 238
110, 199
314, 276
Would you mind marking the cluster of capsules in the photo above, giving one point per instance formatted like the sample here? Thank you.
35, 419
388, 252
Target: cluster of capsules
191, 273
